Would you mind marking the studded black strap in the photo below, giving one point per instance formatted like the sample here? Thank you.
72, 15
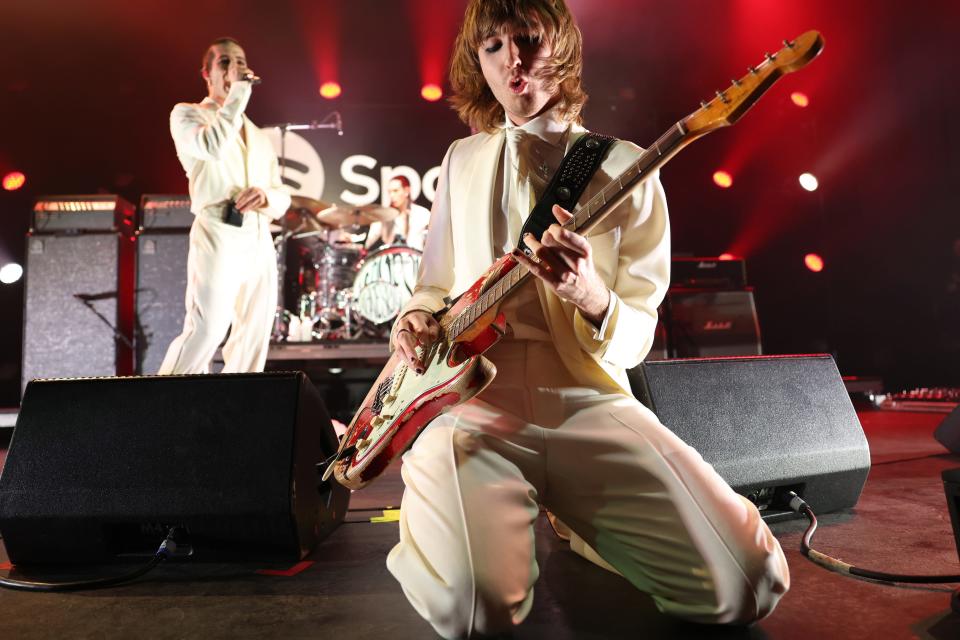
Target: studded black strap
567, 184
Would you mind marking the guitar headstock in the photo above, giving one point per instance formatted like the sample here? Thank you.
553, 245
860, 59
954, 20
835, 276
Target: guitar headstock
728, 106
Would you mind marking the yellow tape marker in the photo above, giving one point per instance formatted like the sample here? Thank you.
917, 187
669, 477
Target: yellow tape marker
389, 515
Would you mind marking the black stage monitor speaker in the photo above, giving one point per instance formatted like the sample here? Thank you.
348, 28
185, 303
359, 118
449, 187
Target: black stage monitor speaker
103, 467
948, 432
767, 424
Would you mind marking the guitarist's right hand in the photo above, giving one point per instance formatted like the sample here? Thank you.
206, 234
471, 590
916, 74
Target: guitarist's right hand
417, 328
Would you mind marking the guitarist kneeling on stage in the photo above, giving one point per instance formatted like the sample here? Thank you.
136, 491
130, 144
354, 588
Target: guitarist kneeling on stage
558, 425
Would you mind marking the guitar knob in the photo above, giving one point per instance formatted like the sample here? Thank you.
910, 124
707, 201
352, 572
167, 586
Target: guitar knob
789, 44
769, 57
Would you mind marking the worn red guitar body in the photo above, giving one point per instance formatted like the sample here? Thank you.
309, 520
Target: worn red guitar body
401, 402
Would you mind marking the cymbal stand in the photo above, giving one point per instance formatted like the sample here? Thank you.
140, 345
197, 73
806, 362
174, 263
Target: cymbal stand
332, 121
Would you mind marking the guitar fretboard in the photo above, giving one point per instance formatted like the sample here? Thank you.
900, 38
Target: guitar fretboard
584, 219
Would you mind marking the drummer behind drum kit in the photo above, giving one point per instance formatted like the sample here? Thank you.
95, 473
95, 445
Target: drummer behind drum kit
343, 292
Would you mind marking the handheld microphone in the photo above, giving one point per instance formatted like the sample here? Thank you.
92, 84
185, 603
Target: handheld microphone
252, 79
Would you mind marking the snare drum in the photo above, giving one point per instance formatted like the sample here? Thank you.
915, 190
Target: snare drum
385, 283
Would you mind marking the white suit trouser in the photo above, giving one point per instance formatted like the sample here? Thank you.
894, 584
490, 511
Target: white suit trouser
603, 463
231, 284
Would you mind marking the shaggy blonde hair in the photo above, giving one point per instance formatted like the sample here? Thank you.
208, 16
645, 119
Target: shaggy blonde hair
473, 99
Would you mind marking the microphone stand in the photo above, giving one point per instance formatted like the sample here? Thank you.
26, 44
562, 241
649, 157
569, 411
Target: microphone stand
332, 121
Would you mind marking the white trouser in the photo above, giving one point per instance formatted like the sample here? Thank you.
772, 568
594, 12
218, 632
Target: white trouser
602, 462
231, 284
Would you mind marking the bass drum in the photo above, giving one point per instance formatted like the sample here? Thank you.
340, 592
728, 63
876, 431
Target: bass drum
385, 283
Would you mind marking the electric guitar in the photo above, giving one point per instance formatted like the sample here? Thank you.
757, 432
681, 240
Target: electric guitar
401, 402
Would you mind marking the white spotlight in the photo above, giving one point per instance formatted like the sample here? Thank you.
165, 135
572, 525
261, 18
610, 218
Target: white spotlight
10, 273
809, 182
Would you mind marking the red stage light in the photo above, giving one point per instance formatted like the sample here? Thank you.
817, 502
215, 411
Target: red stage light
726, 256
431, 92
722, 179
330, 90
813, 262
13, 180
800, 99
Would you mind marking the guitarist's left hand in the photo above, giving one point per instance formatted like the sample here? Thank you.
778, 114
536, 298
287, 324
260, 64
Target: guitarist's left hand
565, 264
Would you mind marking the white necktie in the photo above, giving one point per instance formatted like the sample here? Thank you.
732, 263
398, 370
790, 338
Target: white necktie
519, 199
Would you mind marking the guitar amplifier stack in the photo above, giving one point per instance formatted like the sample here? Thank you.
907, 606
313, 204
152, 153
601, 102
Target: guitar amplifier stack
78, 301
163, 243
709, 311
104, 287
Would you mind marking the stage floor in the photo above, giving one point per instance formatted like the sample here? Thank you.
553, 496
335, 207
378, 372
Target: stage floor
900, 525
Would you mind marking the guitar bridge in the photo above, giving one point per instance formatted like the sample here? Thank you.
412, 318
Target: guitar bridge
383, 390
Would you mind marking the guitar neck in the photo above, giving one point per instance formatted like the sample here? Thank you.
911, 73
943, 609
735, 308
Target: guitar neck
722, 111
584, 219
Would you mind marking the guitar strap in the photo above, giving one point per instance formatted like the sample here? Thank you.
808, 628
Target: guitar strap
567, 184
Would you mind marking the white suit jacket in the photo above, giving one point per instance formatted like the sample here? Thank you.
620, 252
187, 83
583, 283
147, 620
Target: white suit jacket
215, 158
631, 249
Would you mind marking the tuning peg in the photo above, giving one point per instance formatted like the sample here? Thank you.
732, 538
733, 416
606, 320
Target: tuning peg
735, 82
752, 70
723, 97
789, 44
703, 104
769, 57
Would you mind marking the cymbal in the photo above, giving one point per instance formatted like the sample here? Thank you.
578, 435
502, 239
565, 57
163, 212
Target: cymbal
301, 216
341, 215
303, 202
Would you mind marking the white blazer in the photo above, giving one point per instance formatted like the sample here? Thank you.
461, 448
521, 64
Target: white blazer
217, 161
631, 250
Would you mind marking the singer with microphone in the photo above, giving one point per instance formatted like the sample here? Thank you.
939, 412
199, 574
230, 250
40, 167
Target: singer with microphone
235, 191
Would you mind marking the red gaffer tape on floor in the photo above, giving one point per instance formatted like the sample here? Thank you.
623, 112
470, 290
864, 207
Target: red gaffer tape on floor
292, 571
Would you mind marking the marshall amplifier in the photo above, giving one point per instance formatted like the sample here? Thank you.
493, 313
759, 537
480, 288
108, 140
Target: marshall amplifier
102, 213
704, 323
659, 350
708, 273
169, 212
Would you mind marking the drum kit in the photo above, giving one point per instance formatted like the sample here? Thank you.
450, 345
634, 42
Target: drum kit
341, 290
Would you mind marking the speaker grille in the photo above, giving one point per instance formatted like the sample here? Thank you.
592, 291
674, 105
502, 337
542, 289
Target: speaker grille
63, 335
160, 291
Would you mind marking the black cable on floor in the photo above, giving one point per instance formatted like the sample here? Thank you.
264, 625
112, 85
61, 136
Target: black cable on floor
798, 505
166, 549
